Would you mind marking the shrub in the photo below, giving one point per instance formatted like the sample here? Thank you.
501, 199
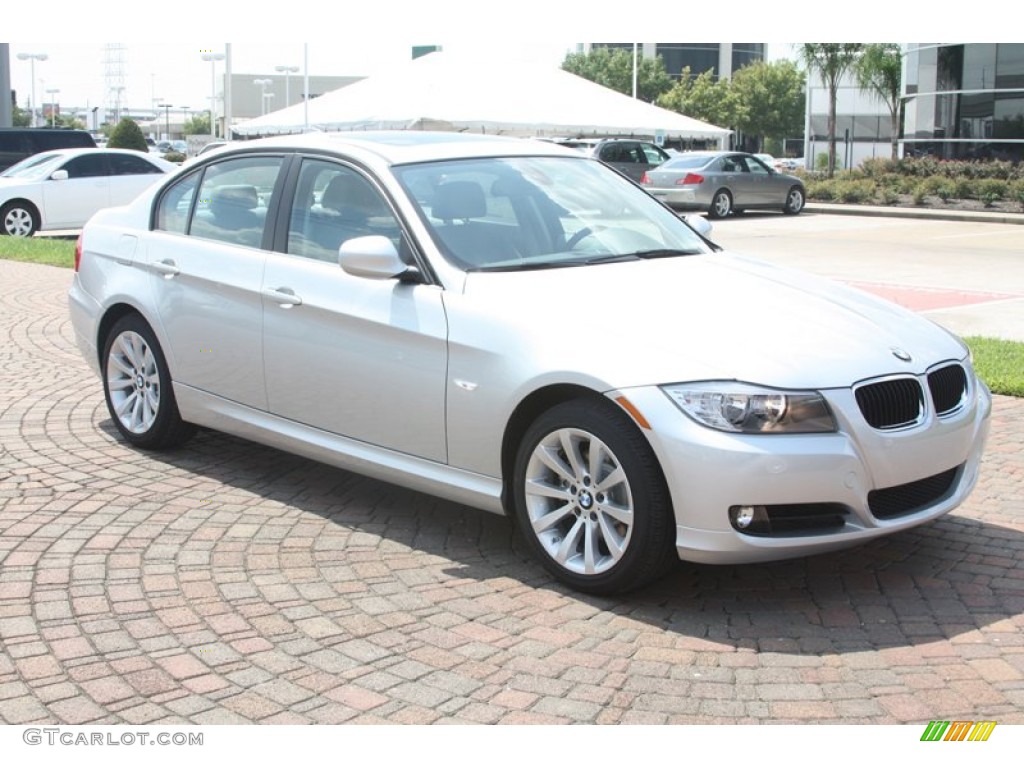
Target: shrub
919, 193
946, 190
990, 190
888, 196
127, 135
855, 191
174, 157
821, 190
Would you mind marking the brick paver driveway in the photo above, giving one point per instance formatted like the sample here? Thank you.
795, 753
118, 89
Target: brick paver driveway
227, 582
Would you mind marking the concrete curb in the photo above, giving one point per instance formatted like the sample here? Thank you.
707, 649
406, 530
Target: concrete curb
987, 217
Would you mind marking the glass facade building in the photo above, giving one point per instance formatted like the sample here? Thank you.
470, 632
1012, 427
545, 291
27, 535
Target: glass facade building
964, 100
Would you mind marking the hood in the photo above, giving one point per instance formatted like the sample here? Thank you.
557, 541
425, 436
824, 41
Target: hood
713, 316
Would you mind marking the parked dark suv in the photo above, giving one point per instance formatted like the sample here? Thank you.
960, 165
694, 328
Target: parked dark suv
18, 143
629, 156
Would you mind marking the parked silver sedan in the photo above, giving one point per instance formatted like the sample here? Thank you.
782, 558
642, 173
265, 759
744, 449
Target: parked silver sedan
722, 183
517, 327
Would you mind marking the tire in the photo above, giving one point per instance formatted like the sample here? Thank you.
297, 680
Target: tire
591, 501
794, 201
137, 387
721, 204
18, 219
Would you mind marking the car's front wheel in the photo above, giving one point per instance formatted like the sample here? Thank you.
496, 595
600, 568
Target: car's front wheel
18, 219
591, 500
137, 387
721, 204
794, 201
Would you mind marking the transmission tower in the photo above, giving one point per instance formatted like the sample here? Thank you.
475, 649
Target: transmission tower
114, 74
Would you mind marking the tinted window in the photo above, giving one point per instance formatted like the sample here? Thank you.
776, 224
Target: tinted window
128, 165
334, 203
87, 166
175, 204
652, 155
233, 198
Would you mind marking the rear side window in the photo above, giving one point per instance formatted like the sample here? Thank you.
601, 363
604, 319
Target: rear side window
233, 198
175, 205
131, 165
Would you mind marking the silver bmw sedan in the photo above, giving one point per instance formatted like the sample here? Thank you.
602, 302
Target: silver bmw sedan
512, 325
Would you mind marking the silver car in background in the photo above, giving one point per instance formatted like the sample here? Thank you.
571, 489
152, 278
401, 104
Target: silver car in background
722, 183
514, 326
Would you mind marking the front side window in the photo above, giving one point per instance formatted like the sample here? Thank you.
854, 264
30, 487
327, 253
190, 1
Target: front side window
334, 203
87, 166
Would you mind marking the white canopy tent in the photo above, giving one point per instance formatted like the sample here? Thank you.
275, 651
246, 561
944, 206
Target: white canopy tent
440, 91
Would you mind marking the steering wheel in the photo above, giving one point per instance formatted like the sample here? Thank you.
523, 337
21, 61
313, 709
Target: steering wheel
586, 232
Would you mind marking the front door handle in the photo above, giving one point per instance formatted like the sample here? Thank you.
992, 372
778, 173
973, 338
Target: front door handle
284, 296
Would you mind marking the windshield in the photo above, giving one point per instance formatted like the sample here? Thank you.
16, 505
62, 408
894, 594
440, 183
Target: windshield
35, 167
539, 212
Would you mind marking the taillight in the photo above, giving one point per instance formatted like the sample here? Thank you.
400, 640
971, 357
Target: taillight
690, 178
645, 179
78, 251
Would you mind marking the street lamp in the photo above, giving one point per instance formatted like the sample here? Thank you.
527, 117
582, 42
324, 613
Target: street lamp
33, 58
213, 58
167, 119
287, 74
53, 101
263, 82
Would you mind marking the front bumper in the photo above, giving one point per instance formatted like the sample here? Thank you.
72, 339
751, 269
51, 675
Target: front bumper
708, 472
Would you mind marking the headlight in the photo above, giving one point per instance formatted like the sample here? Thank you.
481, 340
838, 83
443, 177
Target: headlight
735, 407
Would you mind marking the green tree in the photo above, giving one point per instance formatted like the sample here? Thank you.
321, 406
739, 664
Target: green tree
20, 118
879, 70
127, 135
702, 98
831, 61
197, 125
769, 100
613, 68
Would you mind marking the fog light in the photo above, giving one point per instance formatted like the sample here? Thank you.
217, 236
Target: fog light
749, 519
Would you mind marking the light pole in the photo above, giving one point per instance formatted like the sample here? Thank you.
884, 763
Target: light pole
33, 58
53, 102
263, 82
213, 58
287, 74
167, 119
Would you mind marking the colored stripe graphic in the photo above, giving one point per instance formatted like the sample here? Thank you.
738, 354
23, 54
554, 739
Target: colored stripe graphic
958, 730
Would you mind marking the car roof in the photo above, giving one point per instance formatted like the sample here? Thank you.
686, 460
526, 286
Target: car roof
400, 147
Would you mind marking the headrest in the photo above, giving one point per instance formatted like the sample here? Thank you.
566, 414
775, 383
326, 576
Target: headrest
459, 200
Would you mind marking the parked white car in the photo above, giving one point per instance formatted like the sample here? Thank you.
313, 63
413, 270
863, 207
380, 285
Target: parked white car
515, 326
63, 188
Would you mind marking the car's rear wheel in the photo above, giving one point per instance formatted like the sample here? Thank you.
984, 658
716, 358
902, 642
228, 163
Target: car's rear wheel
137, 387
794, 201
721, 204
18, 219
591, 500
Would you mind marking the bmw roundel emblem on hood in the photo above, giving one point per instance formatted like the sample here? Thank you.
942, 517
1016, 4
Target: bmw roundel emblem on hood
900, 354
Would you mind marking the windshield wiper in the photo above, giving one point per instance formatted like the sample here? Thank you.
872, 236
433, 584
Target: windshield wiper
663, 253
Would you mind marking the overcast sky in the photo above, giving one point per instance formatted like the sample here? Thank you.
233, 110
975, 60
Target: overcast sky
361, 39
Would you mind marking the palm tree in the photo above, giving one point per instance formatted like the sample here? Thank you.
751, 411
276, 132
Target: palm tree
831, 61
880, 70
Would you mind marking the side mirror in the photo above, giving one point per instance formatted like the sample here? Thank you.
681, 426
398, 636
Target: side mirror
699, 224
60, 175
374, 257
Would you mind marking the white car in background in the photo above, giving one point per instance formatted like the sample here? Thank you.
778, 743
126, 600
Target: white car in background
62, 189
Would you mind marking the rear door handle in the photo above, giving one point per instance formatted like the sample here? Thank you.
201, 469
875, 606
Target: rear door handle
167, 268
284, 296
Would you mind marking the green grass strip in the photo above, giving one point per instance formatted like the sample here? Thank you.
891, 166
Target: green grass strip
54, 251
